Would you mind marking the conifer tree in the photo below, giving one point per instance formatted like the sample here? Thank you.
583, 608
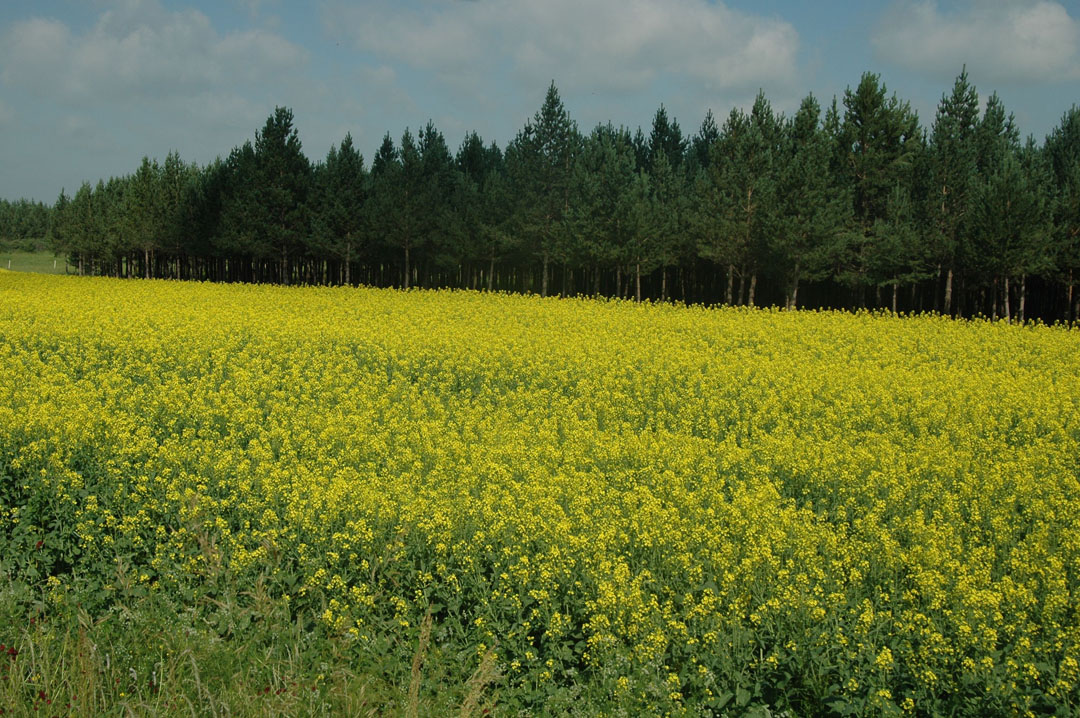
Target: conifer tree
665, 136
698, 153
953, 163
1011, 222
279, 208
144, 212
540, 162
876, 138
1062, 149
403, 205
438, 230
813, 211
342, 188
604, 173
743, 180
174, 181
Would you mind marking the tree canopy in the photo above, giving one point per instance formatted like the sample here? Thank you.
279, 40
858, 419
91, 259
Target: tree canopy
854, 206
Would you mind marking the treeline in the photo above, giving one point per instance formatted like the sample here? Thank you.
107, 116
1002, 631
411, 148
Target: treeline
850, 205
24, 224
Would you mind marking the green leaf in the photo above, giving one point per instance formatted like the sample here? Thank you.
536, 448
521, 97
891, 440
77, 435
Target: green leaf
722, 700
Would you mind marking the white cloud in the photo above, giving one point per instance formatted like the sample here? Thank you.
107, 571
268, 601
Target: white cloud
1010, 42
138, 51
617, 46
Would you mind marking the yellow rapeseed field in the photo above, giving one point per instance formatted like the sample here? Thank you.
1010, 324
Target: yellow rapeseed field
644, 508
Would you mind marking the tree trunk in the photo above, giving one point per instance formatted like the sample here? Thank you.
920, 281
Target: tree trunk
1008, 313
682, 284
948, 292
637, 282
596, 280
407, 267
793, 295
146, 262
1069, 316
544, 276
753, 288
895, 292
618, 281
1023, 297
730, 284
491, 269
348, 263
742, 283
663, 285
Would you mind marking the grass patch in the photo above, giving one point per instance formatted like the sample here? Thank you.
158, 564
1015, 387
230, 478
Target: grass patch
241, 654
43, 262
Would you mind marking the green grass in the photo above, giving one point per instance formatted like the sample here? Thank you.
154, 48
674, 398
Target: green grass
44, 262
239, 653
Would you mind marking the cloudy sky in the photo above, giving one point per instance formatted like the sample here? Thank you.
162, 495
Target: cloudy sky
88, 87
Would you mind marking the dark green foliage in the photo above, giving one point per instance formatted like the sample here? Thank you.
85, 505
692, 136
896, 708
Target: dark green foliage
814, 212
853, 206
698, 153
341, 192
539, 165
737, 203
277, 209
666, 137
878, 139
1012, 224
24, 224
1062, 151
603, 179
953, 162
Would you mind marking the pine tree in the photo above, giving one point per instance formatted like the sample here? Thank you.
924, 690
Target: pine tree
604, 173
1062, 149
540, 161
700, 145
814, 211
666, 136
175, 180
280, 195
239, 235
1011, 221
876, 138
406, 202
60, 229
657, 200
996, 141
144, 212
478, 205
953, 163
342, 188
440, 235
895, 260
385, 157
743, 182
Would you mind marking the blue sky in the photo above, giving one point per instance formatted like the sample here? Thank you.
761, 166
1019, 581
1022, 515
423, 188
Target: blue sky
88, 87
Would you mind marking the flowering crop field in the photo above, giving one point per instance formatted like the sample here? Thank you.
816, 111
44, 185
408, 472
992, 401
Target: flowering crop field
563, 505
